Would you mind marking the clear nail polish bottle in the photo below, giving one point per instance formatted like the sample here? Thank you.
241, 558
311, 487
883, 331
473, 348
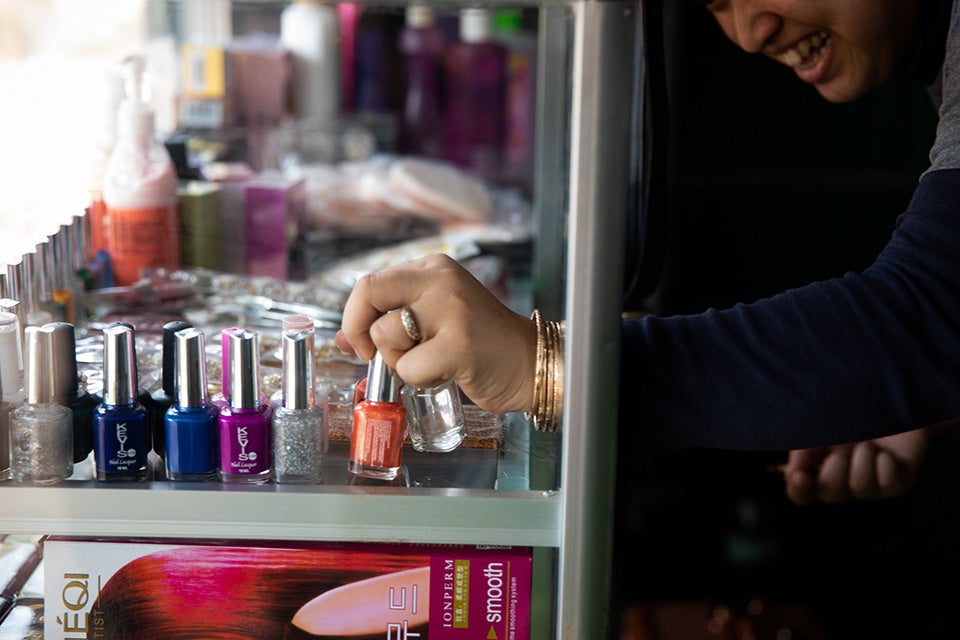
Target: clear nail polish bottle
41, 431
120, 422
435, 419
298, 422
379, 425
191, 423
245, 442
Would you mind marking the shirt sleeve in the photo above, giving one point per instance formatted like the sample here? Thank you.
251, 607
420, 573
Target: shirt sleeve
847, 359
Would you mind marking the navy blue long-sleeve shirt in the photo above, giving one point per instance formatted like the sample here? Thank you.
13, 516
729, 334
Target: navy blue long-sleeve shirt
852, 358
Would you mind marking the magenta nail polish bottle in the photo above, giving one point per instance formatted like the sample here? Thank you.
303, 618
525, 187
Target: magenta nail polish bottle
245, 430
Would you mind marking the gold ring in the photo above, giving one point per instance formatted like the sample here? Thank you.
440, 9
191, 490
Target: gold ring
410, 324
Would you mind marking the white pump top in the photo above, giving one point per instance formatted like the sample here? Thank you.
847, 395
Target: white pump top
475, 25
420, 16
135, 117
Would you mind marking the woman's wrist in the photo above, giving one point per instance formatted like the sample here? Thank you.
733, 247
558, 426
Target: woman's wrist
546, 409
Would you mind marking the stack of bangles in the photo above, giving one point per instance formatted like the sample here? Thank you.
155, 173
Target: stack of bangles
548, 380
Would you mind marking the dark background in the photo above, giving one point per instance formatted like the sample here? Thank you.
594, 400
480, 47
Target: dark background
771, 187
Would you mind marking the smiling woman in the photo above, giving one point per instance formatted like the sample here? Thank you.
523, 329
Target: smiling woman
53, 57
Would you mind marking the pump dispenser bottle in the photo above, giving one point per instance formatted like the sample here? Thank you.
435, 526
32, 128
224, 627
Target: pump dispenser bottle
191, 422
245, 440
41, 431
298, 442
120, 422
140, 190
379, 425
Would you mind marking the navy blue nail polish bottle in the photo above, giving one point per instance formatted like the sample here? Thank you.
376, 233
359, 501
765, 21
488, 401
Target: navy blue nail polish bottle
120, 422
192, 422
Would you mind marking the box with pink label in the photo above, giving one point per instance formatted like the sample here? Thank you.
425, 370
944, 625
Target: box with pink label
113, 589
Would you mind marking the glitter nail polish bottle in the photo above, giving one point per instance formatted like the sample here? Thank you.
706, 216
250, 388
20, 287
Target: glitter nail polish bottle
41, 431
298, 422
245, 442
191, 422
379, 424
120, 422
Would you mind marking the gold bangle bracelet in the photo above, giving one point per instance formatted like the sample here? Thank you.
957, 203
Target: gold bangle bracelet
547, 404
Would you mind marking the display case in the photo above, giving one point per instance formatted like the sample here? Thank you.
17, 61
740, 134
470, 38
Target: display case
552, 492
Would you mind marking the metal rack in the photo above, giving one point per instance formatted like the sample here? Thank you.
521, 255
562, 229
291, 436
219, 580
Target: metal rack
585, 104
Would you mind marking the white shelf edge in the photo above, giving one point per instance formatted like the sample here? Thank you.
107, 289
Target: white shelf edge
382, 514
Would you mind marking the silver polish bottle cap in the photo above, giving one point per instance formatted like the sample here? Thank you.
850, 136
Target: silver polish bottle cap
191, 368
383, 385
64, 382
119, 365
37, 361
244, 369
298, 369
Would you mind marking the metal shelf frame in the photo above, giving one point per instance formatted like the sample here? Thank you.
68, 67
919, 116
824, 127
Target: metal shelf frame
585, 101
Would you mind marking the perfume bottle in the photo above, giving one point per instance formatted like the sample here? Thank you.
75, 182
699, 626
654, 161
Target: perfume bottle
245, 442
379, 424
41, 431
298, 440
67, 390
435, 419
120, 422
163, 398
191, 421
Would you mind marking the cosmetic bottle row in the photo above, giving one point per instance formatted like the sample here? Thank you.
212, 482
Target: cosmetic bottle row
50, 423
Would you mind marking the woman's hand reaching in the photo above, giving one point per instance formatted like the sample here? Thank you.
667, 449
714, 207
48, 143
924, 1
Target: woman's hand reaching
881, 468
466, 333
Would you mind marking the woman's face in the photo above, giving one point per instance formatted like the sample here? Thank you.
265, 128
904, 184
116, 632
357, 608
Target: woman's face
844, 48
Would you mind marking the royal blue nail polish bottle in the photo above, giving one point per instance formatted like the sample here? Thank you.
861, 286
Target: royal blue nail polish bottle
191, 423
120, 422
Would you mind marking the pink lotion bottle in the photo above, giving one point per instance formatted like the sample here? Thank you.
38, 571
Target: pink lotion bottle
422, 45
475, 104
140, 190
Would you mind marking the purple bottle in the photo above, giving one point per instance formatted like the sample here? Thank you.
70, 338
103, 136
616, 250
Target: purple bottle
245, 433
422, 44
476, 79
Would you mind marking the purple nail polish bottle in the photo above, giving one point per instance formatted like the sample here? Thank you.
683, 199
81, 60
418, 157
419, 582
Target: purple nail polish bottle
245, 433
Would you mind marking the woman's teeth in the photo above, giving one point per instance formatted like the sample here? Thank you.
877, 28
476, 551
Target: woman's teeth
803, 49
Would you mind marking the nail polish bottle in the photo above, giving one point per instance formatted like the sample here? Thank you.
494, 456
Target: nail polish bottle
163, 398
220, 397
435, 419
120, 422
192, 450
10, 375
67, 390
298, 422
41, 431
245, 442
379, 424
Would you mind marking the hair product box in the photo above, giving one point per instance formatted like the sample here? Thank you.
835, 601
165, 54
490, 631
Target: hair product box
274, 209
245, 590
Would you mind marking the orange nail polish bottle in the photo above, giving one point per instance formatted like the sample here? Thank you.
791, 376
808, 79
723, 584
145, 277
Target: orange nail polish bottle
379, 425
